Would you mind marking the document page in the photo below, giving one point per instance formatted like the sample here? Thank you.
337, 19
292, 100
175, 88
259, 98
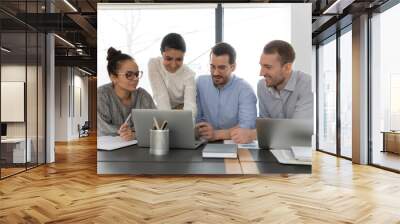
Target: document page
251, 145
113, 142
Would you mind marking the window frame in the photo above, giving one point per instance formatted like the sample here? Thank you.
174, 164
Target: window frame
333, 37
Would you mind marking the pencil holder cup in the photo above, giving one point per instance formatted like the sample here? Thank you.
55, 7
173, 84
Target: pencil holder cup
159, 142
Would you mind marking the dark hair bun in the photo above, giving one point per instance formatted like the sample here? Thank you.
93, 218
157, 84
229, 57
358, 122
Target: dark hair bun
114, 57
111, 53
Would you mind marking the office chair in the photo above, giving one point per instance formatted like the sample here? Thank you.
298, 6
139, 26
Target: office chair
84, 130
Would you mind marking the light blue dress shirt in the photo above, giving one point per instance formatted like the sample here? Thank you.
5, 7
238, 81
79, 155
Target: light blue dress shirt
224, 108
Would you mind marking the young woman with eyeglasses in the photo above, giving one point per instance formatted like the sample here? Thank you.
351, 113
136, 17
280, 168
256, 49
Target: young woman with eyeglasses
115, 100
172, 82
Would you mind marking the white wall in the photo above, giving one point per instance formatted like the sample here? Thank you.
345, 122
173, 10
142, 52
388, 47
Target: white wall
302, 36
301, 40
12, 100
67, 115
61, 103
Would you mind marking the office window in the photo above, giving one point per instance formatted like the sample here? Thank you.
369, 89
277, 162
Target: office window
249, 40
385, 87
346, 94
394, 101
138, 33
327, 96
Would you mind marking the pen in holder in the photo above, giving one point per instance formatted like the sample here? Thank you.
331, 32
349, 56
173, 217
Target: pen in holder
159, 142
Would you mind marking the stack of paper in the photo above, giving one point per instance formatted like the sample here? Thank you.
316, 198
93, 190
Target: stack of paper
113, 142
220, 151
251, 145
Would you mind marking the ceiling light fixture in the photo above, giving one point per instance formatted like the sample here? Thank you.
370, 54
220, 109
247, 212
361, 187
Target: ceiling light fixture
84, 71
70, 5
5, 50
337, 7
64, 40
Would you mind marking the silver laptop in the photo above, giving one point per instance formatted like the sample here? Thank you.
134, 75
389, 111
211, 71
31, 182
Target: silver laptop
283, 133
180, 125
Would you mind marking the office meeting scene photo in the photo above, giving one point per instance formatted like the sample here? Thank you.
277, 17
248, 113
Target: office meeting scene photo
203, 92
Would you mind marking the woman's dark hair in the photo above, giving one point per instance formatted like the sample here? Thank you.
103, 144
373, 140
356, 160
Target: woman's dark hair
174, 41
114, 57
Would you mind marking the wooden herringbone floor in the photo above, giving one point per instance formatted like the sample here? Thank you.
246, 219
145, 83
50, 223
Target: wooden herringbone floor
70, 191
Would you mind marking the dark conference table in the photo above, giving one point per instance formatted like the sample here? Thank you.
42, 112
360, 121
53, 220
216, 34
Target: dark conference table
138, 161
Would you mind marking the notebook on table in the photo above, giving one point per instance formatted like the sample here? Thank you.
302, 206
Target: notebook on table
113, 142
220, 151
302, 153
295, 156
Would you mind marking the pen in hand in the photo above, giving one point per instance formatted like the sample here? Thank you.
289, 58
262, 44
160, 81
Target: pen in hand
125, 132
127, 119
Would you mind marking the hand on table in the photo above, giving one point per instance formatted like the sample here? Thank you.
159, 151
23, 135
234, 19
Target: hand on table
242, 135
206, 131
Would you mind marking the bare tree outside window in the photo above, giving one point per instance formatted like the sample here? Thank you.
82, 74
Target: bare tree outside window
139, 32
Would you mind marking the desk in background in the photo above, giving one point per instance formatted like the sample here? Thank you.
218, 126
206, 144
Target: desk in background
136, 161
391, 141
13, 150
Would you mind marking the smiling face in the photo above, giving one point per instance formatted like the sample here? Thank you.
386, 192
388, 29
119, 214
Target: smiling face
274, 73
172, 59
120, 79
220, 69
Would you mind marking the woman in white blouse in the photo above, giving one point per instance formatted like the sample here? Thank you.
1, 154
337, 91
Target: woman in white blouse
172, 82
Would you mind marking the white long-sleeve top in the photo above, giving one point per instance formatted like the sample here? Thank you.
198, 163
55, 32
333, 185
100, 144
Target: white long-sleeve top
172, 89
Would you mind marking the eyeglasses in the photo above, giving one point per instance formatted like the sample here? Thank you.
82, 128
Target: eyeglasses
130, 75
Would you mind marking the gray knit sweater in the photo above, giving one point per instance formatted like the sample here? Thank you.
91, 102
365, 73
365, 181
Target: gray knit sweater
111, 113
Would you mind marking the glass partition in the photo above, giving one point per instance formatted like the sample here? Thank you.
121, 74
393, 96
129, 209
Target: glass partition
41, 97
13, 86
327, 96
346, 94
22, 91
31, 97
